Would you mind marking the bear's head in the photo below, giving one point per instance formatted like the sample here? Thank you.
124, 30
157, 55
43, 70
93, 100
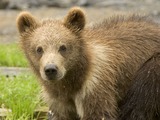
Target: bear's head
53, 47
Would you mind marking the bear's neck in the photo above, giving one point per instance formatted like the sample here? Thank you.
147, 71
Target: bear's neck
75, 77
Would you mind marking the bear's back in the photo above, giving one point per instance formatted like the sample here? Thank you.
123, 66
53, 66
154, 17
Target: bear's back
120, 45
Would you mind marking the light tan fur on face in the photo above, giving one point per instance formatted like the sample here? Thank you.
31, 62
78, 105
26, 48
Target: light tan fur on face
52, 58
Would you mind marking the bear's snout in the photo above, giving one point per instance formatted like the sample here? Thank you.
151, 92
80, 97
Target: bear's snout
50, 71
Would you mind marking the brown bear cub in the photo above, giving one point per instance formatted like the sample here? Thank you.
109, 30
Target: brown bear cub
86, 70
142, 101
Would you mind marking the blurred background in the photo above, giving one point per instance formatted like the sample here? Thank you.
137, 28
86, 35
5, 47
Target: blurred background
95, 10
19, 92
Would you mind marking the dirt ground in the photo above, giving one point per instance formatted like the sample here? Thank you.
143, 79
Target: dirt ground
9, 34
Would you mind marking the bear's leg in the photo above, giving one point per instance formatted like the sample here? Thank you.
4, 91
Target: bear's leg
62, 111
98, 105
142, 101
56, 116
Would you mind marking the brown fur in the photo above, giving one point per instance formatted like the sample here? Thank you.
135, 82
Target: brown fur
142, 101
96, 69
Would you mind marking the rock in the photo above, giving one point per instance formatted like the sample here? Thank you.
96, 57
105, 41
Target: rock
103, 3
83, 3
58, 3
18, 4
4, 112
41, 113
23, 4
4, 4
13, 71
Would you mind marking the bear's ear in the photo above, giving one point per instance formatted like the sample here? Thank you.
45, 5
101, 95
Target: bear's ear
75, 20
26, 22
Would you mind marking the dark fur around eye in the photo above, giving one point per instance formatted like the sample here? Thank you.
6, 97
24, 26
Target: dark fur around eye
39, 50
62, 48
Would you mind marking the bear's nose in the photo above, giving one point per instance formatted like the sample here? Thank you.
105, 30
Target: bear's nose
50, 71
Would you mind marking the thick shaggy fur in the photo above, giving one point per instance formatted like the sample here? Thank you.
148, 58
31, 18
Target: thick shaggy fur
142, 101
95, 67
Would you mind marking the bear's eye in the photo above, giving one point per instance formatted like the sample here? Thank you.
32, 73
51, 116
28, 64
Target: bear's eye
39, 50
62, 48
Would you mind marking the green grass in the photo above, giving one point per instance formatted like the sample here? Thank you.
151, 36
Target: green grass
21, 95
11, 55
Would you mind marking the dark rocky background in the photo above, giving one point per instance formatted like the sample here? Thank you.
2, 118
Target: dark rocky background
96, 10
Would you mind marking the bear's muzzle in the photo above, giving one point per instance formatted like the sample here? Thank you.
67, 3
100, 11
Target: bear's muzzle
50, 71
